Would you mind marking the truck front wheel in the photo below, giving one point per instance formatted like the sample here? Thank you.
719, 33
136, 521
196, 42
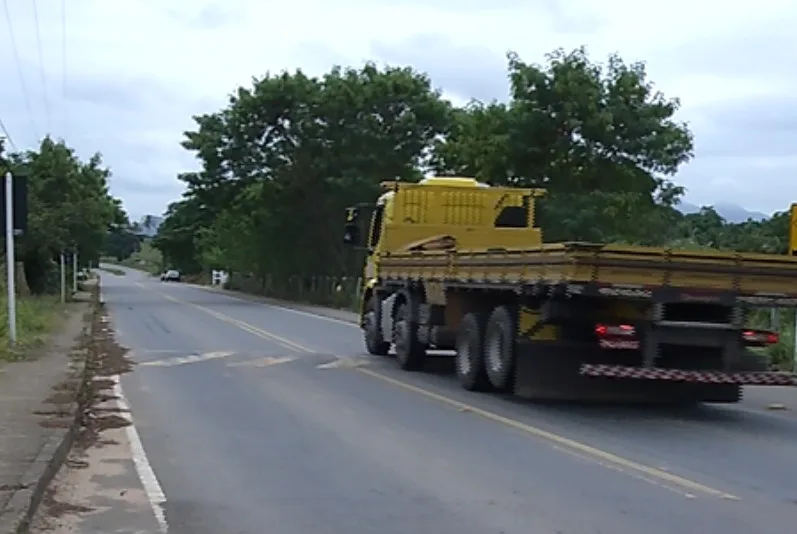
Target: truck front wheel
470, 353
372, 332
410, 353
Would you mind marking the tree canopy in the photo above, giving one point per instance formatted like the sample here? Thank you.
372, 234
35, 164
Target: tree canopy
69, 208
283, 158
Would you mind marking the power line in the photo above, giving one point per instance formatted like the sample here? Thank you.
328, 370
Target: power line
41, 67
7, 136
19, 65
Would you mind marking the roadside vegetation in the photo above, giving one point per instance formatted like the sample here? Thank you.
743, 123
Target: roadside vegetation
36, 317
283, 159
145, 258
69, 208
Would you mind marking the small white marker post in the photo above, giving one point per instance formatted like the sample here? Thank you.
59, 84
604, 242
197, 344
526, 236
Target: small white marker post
10, 260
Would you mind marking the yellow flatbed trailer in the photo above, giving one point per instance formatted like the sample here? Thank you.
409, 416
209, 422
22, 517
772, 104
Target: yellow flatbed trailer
564, 320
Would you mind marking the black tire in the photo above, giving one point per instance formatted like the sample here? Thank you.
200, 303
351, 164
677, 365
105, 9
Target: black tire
499, 348
372, 333
410, 354
470, 353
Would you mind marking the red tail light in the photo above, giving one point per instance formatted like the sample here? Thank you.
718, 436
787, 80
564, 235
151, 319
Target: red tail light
617, 337
760, 338
619, 330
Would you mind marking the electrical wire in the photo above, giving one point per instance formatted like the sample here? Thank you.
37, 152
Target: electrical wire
7, 136
41, 68
19, 66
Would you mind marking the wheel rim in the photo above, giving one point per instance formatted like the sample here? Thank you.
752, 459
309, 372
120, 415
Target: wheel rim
494, 351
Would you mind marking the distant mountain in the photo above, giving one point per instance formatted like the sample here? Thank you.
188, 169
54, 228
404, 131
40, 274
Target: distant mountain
730, 212
148, 225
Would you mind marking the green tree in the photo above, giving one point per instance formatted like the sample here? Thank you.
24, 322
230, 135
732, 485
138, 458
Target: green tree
601, 140
286, 156
69, 206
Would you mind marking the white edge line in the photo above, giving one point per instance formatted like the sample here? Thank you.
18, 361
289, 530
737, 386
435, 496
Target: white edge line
147, 476
286, 308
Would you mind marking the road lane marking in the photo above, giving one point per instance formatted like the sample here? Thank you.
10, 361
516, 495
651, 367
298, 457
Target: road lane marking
146, 474
285, 343
344, 362
286, 308
628, 466
190, 358
618, 469
268, 361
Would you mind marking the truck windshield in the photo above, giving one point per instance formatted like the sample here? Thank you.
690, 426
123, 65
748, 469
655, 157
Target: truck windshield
376, 227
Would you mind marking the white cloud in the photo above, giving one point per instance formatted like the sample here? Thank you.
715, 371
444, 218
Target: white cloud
137, 70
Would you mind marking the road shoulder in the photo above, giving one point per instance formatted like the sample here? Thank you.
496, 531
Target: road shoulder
39, 415
99, 487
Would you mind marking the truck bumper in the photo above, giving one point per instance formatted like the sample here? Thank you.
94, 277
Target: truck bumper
557, 371
682, 375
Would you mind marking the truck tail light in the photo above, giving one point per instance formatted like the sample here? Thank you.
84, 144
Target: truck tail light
617, 337
760, 338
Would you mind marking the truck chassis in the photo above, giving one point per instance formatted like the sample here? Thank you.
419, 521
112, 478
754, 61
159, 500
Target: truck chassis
577, 341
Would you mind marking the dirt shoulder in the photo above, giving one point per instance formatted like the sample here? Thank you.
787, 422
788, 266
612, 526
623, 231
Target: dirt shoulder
99, 439
39, 408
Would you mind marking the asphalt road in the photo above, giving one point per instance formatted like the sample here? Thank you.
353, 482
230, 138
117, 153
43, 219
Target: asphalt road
259, 419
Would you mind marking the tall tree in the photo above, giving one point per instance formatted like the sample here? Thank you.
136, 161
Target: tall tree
69, 207
286, 156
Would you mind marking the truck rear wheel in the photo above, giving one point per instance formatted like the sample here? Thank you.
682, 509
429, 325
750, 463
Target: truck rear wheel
372, 331
470, 353
410, 353
499, 348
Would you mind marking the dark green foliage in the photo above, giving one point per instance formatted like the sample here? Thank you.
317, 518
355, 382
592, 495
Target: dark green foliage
69, 207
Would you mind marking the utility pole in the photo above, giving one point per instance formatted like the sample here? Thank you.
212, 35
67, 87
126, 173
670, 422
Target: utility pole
10, 261
74, 271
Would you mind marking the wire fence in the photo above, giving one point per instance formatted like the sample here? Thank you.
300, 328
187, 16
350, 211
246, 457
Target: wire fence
333, 291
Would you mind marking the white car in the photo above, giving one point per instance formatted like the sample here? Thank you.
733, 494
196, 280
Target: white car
170, 275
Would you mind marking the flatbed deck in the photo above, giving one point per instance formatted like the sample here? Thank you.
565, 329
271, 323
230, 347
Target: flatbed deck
609, 271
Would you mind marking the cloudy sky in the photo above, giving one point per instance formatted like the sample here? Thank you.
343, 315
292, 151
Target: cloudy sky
136, 70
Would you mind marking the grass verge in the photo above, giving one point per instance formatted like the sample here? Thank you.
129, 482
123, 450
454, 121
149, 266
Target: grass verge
36, 317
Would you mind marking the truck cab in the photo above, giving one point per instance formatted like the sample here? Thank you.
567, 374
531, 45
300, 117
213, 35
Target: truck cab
438, 213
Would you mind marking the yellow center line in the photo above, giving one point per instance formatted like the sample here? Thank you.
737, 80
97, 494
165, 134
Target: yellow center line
286, 343
629, 467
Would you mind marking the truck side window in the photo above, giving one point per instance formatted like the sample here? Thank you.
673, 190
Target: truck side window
376, 227
512, 217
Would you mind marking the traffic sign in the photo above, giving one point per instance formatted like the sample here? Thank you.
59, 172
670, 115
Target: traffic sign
20, 207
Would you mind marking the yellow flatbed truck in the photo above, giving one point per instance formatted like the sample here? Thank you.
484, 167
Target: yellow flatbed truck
456, 264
